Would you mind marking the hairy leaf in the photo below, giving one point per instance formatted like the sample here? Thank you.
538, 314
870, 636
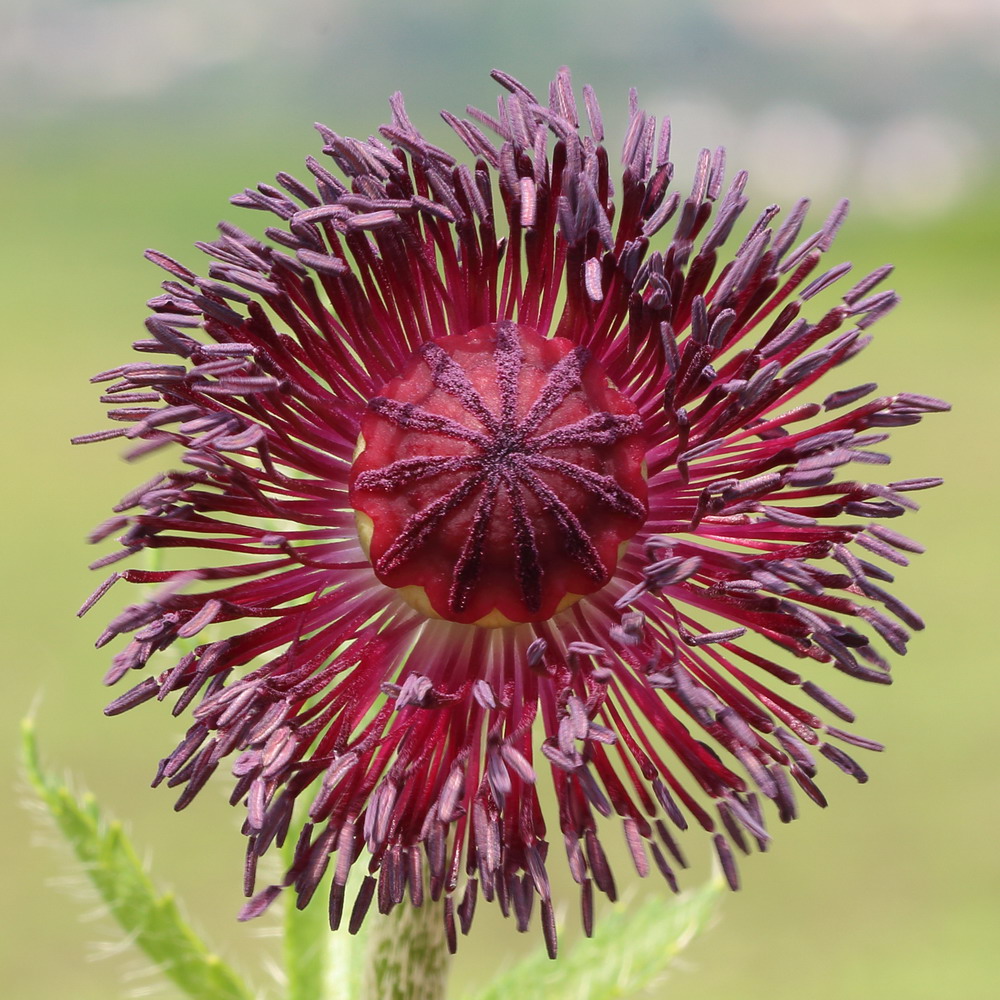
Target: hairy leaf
631, 949
150, 917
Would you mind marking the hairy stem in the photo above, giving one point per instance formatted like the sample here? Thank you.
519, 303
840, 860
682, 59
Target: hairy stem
407, 955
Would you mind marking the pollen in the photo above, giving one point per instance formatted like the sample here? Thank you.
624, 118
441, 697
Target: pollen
498, 477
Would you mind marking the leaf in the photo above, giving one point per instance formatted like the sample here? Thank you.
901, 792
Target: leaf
150, 917
631, 949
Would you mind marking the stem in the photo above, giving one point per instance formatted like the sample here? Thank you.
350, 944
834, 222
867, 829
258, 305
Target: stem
407, 955
306, 943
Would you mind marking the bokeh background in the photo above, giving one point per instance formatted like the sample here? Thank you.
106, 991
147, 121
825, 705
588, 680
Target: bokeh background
127, 123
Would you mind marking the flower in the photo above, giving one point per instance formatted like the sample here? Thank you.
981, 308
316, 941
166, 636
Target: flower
502, 476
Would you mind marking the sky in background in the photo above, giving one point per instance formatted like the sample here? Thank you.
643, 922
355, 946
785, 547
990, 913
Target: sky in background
894, 101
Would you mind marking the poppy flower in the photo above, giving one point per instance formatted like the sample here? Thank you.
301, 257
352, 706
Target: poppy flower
494, 475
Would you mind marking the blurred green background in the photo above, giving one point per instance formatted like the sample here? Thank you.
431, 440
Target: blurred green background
127, 124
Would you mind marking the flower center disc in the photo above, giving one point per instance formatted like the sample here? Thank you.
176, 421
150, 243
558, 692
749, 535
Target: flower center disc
497, 477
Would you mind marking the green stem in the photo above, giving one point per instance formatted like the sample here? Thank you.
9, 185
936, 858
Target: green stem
306, 943
407, 955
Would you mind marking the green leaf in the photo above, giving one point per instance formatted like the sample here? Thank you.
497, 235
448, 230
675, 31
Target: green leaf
631, 949
150, 917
